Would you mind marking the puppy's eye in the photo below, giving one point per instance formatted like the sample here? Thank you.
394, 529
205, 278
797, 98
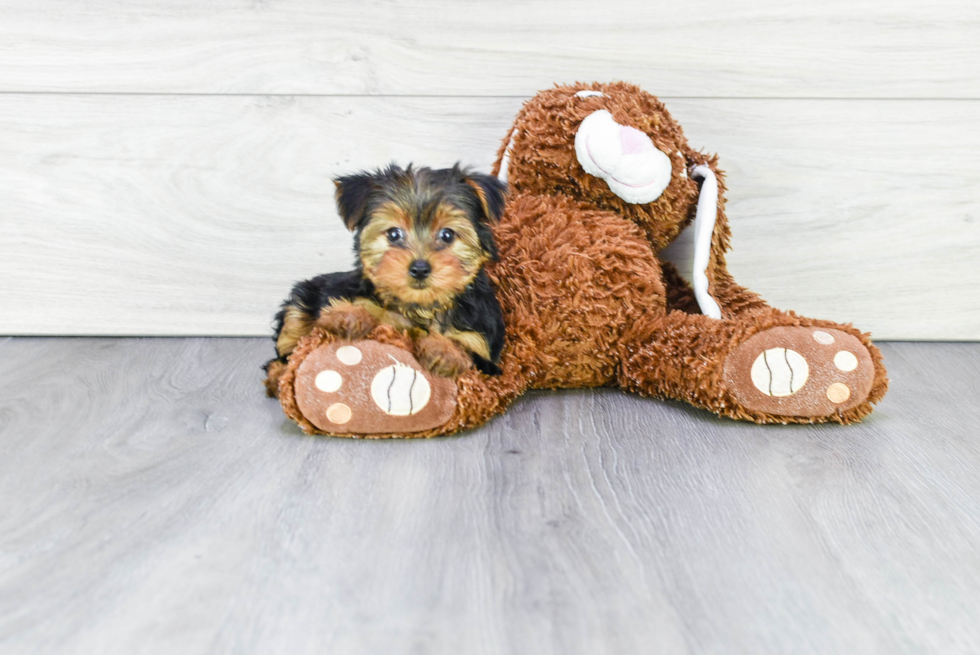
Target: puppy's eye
446, 235
395, 234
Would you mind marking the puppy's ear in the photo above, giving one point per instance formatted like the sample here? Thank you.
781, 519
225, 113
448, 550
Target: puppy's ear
353, 192
490, 192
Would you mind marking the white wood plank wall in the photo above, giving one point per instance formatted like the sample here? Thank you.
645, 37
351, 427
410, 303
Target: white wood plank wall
164, 166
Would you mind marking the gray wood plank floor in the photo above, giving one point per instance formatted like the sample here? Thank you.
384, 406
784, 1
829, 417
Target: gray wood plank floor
153, 501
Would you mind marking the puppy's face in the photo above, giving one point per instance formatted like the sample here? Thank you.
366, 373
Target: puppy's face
421, 235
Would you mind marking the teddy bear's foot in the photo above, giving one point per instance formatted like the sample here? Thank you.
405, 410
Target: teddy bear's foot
800, 371
365, 387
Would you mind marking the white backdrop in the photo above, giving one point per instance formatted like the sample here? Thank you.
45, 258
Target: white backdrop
164, 166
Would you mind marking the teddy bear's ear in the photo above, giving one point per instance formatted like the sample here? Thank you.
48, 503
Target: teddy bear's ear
352, 194
705, 220
491, 193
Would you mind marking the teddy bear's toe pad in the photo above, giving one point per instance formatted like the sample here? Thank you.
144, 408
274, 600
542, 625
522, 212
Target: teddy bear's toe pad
800, 371
366, 387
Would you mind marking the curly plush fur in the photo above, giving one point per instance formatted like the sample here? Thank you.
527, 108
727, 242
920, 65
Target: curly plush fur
586, 300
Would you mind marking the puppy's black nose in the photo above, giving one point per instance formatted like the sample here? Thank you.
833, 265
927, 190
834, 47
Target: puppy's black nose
419, 269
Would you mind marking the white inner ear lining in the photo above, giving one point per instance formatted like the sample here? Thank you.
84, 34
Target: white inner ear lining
505, 160
704, 228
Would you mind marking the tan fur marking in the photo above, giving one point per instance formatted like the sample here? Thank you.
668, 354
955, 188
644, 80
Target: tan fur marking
384, 316
482, 195
392, 214
295, 325
470, 341
467, 246
374, 240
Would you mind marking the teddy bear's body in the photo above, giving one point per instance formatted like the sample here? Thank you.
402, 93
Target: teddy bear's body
587, 302
571, 281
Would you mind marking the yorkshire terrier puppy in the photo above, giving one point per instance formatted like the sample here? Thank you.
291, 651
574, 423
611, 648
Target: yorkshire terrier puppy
421, 238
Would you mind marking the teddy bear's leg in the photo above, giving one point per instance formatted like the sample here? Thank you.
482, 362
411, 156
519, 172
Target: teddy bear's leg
765, 366
375, 387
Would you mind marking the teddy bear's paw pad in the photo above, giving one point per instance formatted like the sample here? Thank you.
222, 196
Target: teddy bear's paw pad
366, 387
800, 371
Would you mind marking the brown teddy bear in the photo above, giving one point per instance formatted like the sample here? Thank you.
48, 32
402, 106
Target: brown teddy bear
601, 179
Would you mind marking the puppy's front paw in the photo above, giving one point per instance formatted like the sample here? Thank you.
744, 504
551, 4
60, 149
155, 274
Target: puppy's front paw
441, 356
347, 321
